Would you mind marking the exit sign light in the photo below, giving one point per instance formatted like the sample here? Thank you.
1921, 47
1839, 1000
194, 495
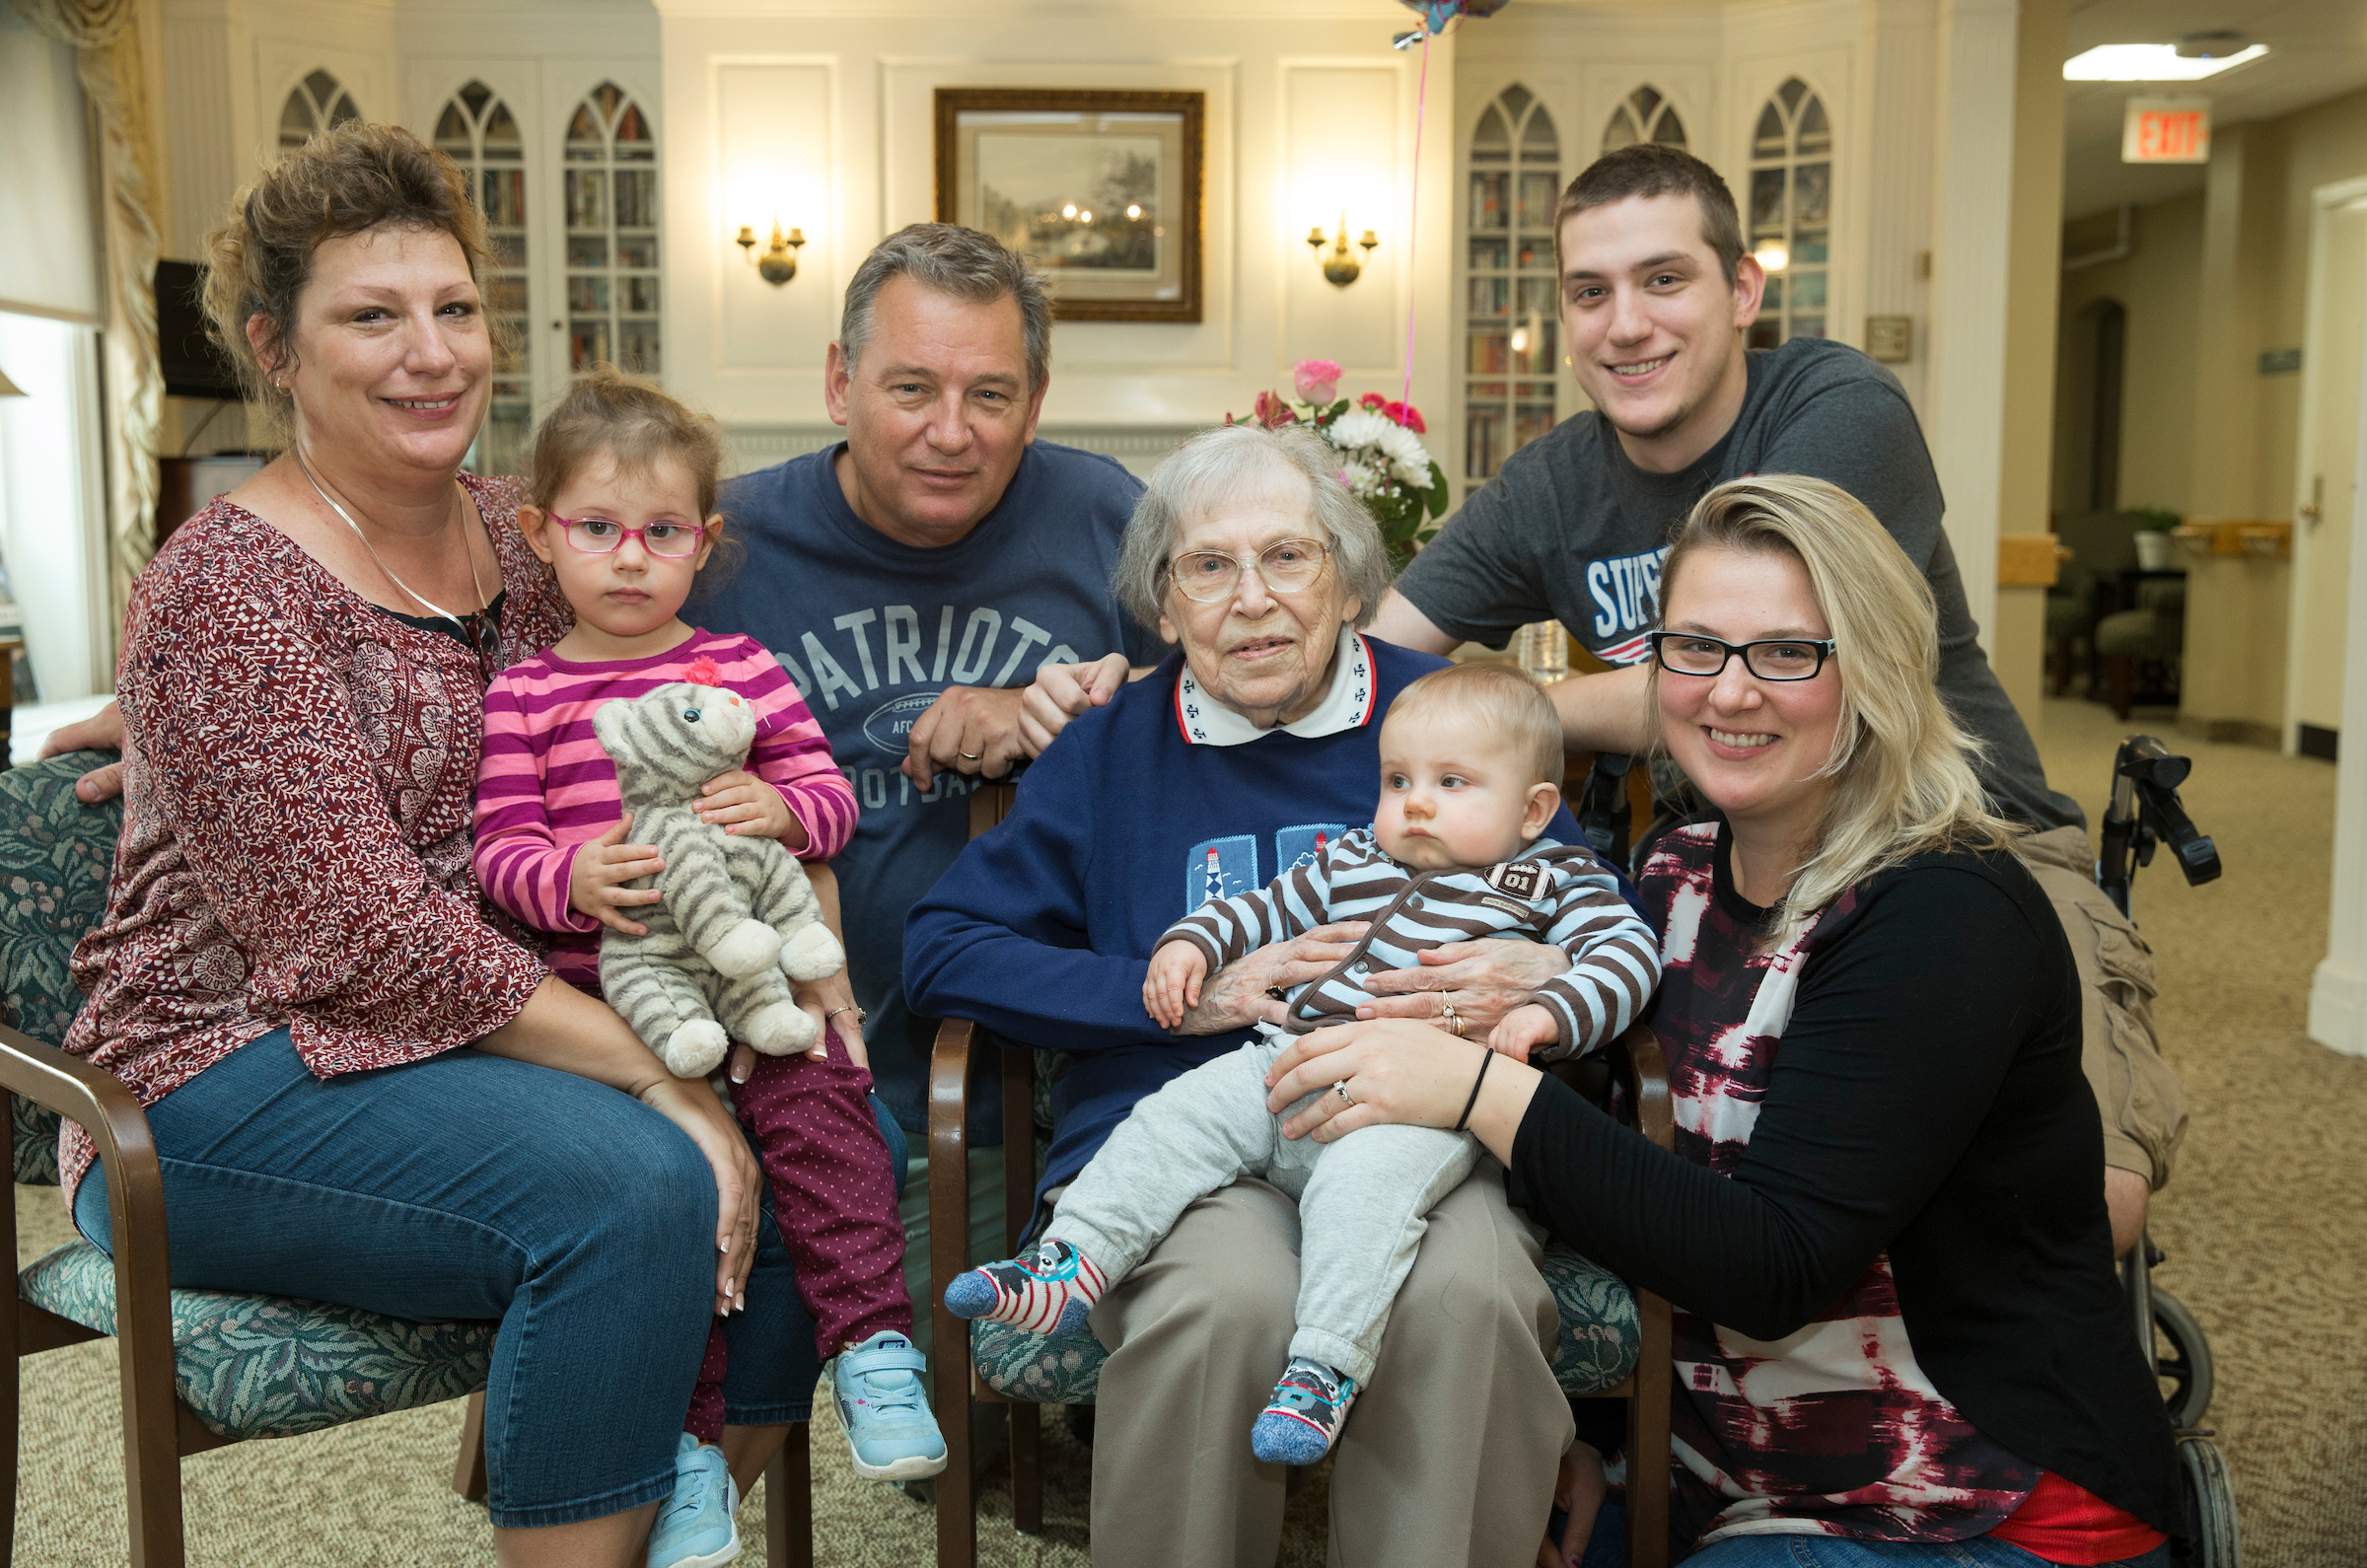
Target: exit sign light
2166, 130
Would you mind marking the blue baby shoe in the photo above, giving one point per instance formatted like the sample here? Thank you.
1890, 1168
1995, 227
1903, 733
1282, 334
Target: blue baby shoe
885, 1411
695, 1528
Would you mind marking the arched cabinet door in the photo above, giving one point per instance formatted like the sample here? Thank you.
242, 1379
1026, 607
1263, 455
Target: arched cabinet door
477, 131
1511, 330
608, 152
1789, 214
313, 106
1645, 115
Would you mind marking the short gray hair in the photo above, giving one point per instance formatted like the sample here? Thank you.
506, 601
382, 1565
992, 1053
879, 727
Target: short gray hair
961, 263
1216, 465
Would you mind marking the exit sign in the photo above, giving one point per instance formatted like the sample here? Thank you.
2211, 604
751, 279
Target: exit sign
2167, 130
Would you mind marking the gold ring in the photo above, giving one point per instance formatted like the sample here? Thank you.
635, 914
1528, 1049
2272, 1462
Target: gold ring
968, 756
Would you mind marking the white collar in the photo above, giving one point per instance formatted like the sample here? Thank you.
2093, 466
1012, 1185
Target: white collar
1206, 721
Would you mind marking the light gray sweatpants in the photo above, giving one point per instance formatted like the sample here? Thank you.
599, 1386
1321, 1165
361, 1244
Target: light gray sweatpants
1364, 1201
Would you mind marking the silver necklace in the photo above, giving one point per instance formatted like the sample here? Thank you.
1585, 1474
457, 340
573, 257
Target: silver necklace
474, 581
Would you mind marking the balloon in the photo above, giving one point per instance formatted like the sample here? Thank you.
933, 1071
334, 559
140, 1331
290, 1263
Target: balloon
1436, 14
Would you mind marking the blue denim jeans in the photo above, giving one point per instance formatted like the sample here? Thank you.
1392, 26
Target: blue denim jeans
471, 1187
1606, 1548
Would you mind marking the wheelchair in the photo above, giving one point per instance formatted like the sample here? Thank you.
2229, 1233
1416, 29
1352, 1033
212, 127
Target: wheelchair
2145, 814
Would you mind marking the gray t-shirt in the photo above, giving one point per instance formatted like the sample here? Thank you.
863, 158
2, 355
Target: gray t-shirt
1572, 531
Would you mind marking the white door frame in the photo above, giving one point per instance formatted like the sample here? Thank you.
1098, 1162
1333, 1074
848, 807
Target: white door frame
2323, 202
2339, 990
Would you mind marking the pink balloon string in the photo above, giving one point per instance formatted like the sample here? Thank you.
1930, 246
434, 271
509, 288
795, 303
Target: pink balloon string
1414, 207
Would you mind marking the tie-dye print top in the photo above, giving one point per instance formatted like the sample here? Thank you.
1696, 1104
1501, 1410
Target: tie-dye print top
1834, 1428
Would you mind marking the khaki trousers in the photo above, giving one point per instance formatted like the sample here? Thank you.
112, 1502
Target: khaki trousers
2143, 1106
1449, 1456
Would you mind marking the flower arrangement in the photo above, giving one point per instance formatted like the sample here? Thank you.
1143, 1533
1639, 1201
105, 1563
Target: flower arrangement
1382, 459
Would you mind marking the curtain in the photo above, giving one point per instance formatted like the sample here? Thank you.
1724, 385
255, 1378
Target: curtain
106, 38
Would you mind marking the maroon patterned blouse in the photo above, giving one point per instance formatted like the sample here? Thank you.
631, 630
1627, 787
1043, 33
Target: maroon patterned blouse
300, 770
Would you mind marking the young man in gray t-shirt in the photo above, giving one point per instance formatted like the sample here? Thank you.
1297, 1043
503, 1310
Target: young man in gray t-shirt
1656, 292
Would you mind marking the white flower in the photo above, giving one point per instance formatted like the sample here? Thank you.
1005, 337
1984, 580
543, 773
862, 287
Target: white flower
1359, 428
1357, 475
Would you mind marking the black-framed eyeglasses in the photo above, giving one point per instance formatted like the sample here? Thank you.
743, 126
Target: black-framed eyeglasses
1210, 577
1688, 653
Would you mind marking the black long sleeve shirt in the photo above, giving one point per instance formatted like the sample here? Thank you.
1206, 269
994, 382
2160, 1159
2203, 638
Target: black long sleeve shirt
1926, 1101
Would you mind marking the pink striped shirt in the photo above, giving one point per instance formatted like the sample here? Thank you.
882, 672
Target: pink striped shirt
546, 787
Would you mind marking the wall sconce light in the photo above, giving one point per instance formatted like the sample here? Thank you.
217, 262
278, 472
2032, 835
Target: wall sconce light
1771, 255
1339, 267
778, 264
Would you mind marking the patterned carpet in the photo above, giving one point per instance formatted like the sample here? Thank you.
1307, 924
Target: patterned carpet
2265, 1224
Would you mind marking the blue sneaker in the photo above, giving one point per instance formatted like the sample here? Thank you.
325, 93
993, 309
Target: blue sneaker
884, 1410
695, 1526
1304, 1419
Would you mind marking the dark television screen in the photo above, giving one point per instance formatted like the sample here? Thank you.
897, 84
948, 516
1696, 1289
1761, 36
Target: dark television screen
193, 366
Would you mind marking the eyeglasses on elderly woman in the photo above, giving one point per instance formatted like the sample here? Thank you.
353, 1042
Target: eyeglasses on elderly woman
1686, 653
1288, 567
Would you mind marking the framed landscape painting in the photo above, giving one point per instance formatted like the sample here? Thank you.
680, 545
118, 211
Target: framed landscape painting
1101, 189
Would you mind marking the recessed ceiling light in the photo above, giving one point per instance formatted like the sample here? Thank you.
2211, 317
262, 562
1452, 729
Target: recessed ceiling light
2150, 62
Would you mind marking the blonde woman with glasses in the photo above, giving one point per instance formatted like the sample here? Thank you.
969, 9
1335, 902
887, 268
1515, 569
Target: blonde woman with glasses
1899, 1334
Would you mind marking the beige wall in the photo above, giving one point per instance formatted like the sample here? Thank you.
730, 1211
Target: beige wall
2215, 279
2159, 285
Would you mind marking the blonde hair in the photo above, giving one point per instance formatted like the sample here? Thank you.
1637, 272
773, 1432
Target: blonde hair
1903, 769
1506, 703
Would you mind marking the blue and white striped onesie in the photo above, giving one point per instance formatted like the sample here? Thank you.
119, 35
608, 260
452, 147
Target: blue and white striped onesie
1364, 1200
1556, 894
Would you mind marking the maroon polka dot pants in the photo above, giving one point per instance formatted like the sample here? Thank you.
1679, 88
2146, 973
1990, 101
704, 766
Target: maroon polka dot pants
834, 1200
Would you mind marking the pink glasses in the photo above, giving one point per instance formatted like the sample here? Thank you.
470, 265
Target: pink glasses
599, 536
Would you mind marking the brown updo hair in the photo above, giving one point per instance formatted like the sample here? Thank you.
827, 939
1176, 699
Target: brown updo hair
349, 180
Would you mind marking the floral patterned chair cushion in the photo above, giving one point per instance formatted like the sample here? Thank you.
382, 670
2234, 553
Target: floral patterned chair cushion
55, 857
1599, 1341
248, 1366
268, 1366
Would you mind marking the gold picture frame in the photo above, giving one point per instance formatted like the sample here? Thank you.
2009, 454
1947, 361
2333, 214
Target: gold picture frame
1031, 166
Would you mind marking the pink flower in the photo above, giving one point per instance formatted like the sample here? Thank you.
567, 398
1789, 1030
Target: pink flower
1272, 412
1317, 380
1397, 413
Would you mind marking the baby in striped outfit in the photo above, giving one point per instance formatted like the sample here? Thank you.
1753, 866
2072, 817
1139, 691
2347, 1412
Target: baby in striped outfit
622, 508
1470, 768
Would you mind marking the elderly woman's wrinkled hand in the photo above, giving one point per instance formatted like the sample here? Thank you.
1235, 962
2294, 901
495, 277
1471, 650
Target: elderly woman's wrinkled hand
1393, 1071
1481, 982
1061, 692
1248, 990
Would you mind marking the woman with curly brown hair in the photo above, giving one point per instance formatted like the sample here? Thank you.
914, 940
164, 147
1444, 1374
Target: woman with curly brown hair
361, 1091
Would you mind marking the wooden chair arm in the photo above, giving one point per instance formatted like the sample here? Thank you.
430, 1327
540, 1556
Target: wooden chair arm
949, 1247
98, 1101
1644, 1071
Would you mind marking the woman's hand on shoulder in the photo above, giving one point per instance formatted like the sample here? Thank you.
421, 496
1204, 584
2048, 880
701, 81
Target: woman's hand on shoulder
1248, 990
101, 732
1061, 692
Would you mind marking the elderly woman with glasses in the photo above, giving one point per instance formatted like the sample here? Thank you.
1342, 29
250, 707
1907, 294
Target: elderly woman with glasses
1251, 746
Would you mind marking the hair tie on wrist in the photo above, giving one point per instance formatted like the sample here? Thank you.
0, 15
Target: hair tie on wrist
1486, 1057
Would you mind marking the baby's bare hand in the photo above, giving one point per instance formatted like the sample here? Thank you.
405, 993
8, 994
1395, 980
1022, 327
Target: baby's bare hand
595, 883
1173, 986
1522, 1031
747, 807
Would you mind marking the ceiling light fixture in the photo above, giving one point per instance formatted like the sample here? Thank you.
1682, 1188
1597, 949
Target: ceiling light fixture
2155, 62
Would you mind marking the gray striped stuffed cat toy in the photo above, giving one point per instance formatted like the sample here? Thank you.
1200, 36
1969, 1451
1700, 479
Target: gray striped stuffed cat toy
738, 920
